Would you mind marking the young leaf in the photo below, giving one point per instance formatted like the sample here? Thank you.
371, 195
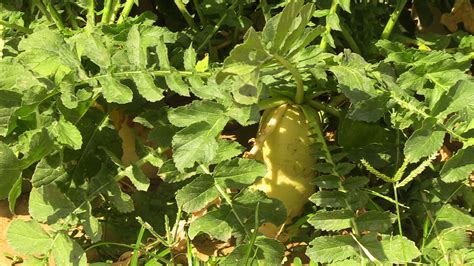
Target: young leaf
48, 170
28, 237
40, 145
138, 178
227, 150
329, 199
197, 194
197, 111
10, 170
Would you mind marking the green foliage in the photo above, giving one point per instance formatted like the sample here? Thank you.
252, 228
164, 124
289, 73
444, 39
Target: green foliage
118, 122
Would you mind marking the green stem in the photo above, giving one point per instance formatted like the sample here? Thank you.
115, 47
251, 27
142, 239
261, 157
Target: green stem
325, 107
347, 35
125, 11
15, 27
393, 19
72, 16
201, 16
272, 102
397, 207
332, 11
217, 26
184, 12
90, 13
136, 250
55, 15
299, 97
107, 12
42, 9
115, 9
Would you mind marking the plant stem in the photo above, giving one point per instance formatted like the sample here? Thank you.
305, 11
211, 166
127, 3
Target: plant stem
42, 9
393, 19
325, 107
72, 16
347, 35
397, 207
90, 13
272, 102
107, 12
332, 10
136, 250
55, 15
125, 11
201, 16
299, 97
115, 8
15, 27
217, 26
184, 12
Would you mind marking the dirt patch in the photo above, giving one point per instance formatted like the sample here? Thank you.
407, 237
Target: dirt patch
5, 218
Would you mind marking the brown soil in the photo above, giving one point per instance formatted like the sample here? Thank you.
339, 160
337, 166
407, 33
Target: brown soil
5, 218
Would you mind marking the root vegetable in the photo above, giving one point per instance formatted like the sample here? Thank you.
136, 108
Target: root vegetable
286, 151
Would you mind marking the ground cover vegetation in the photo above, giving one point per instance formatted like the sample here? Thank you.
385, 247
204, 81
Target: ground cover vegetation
238, 132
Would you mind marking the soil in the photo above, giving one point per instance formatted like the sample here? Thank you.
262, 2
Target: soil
5, 218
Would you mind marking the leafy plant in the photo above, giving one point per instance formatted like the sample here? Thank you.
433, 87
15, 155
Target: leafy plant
119, 125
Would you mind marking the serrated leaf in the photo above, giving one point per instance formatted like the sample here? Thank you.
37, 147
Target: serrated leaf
333, 21
66, 133
46, 53
16, 77
197, 111
327, 181
345, 5
91, 45
327, 249
40, 145
66, 251
10, 170
48, 170
457, 98
424, 141
393, 249
375, 221
196, 143
197, 194
458, 167
214, 223
147, 88
135, 52
227, 150
332, 220
28, 237
49, 204
114, 91
238, 173
269, 210
329, 199
355, 182
169, 173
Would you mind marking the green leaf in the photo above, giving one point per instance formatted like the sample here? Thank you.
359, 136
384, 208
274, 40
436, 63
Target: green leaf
135, 51
238, 173
114, 91
48, 170
46, 53
49, 204
138, 178
327, 181
67, 251
393, 249
10, 170
333, 21
457, 98
227, 150
329, 199
14, 194
327, 249
375, 221
425, 141
270, 210
40, 145
169, 173
16, 77
28, 237
147, 88
197, 194
91, 45
285, 19
458, 167
197, 111
196, 143
345, 5
214, 223
66, 133
332, 220
265, 251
